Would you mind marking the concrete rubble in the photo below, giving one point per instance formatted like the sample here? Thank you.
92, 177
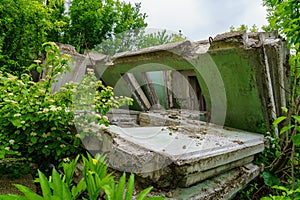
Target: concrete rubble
176, 136
180, 153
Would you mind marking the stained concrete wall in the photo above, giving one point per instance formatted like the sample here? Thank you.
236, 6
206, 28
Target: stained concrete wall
252, 71
243, 77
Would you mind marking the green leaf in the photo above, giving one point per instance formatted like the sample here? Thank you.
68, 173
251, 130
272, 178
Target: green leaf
2, 154
130, 187
296, 139
78, 189
143, 193
16, 122
57, 185
297, 118
121, 188
28, 193
45, 186
270, 179
69, 169
39, 69
110, 192
266, 198
278, 120
33, 140
285, 109
286, 128
282, 188
12, 197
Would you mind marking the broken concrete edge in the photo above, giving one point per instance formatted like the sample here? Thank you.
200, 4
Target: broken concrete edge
194, 47
243, 39
158, 169
222, 187
255, 144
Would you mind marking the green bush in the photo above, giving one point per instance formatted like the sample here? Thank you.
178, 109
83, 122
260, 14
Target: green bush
96, 182
38, 124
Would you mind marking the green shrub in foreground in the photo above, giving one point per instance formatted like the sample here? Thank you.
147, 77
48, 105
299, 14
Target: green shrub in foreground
95, 181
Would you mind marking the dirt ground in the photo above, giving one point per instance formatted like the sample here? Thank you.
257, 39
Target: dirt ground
6, 186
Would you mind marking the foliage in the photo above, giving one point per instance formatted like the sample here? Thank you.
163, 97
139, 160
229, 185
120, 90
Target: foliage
23, 29
282, 164
285, 17
135, 40
95, 180
93, 21
282, 154
247, 193
244, 27
286, 194
59, 20
26, 24
38, 124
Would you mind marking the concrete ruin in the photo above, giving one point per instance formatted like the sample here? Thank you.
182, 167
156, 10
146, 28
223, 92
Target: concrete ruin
186, 94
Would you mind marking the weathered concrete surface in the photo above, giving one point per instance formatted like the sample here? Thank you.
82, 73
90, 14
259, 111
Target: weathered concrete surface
222, 187
177, 156
243, 77
172, 118
123, 118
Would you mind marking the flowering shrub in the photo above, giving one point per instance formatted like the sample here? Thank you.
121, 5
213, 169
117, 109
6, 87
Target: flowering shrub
38, 124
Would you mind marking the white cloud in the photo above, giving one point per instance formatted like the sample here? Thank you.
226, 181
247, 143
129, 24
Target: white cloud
199, 19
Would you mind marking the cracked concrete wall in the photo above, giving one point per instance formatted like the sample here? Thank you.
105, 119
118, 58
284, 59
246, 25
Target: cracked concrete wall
246, 89
253, 68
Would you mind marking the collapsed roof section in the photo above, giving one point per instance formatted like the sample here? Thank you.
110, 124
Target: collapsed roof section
239, 78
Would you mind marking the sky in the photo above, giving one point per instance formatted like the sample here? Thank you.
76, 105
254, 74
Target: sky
200, 19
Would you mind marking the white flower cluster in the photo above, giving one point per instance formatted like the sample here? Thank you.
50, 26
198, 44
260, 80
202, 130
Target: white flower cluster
52, 108
17, 115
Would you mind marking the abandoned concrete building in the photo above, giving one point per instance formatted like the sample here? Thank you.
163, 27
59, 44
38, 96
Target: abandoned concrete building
200, 110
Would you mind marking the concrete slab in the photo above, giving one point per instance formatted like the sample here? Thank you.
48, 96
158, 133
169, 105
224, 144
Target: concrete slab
184, 145
172, 117
222, 187
178, 155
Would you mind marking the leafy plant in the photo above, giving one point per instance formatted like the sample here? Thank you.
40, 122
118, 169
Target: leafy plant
120, 192
286, 194
95, 180
35, 123
26, 24
92, 21
38, 124
284, 16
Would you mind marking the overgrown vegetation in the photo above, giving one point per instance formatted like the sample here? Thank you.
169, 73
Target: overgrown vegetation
95, 183
281, 176
244, 27
38, 124
26, 24
285, 17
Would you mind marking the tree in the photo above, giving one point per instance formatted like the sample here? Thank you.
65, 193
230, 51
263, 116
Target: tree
23, 29
137, 39
93, 21
59, 19
26, 24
